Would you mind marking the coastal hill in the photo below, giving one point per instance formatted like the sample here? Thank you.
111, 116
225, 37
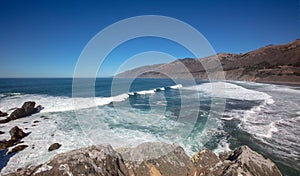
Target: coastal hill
272, 63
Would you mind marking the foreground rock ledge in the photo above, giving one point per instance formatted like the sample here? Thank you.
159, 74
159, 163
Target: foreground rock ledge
104, 160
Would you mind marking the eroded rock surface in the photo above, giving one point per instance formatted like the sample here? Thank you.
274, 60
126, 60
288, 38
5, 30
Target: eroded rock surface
153, 159
94, 160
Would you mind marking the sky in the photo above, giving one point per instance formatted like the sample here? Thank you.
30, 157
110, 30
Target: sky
44, 38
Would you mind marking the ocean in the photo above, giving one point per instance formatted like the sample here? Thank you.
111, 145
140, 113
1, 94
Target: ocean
124, 113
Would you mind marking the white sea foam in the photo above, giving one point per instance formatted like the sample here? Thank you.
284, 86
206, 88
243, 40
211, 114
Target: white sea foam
144, 92
176, 86
59, 104
251, 120
227, 118
271, 129
223, 146
232, 91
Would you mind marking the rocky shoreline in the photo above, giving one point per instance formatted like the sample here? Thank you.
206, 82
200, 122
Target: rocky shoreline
149, 159
104, 160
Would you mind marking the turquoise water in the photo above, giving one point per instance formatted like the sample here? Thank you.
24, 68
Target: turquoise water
124, 113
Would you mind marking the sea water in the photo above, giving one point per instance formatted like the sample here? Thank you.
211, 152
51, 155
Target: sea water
215, 115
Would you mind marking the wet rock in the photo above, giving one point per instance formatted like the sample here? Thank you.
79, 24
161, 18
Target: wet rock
27, 109
54, 146
16, 133
4, 144
36, 121
17, 149
3, 114
44, 117
4, 120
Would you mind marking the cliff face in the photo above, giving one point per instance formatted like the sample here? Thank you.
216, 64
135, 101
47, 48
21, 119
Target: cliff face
168, 160
274, 63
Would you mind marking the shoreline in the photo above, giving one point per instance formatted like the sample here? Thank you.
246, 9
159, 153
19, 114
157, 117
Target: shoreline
152, 158
280, 83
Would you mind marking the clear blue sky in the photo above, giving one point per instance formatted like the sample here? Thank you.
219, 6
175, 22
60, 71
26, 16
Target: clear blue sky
44, 38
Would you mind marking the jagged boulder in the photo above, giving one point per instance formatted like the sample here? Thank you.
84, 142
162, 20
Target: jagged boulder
27, 109
3, 114
16, 133
154, 159
4, 144
241, 161
94, 160
245, 161
208, 163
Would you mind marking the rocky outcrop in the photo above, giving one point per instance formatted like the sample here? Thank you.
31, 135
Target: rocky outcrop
17, 149
242, 161
3, 114
27, 109
272, 63
150, 159
153, 159
54, 146
16, 134
94, 160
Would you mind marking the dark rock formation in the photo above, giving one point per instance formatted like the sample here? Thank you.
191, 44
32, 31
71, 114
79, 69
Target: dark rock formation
17, 149
4, 120
153, 159
3, 114
54, 146
4, 144
1, 132
276, 63
16, 133
27, 109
